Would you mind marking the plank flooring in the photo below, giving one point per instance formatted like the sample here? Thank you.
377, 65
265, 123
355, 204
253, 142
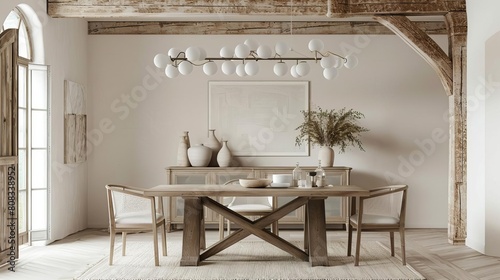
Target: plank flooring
428, 251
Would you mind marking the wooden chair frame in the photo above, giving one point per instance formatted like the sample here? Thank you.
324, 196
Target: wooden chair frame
356, 221
157, 221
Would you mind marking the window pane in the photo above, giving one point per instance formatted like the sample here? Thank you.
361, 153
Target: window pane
22, 128
38, 89
12, 21
39, 129
39, 210
39, 169
22, 211
22, 85
22, 169
24, 47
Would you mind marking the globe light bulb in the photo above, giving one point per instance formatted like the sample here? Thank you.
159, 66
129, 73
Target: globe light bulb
160, 60
173, 52
352, 61
228, 67
302, 68
252, 44
193, 54
252, 68
281, 48
203, 54
210, 68
316, 45
171, 71
327, 62
240, 70
280, 69
293, 71
264, 51
226, 52
330, 73
185, 68
242, 51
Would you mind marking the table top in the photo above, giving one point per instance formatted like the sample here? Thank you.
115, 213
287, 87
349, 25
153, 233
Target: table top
190, 190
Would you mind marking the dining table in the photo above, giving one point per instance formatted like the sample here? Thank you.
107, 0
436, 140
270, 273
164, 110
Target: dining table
198, 195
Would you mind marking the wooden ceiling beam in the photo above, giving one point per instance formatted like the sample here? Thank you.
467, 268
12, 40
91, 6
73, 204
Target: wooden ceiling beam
254, 27
255, 8
423, 45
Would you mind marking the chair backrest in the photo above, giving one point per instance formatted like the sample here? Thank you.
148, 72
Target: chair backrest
124, 200
387, 201
244, 200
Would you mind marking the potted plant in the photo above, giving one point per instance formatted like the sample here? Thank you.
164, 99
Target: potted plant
328, 129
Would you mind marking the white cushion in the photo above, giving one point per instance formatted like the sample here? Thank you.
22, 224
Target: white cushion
250, 208
376, 219
143, 217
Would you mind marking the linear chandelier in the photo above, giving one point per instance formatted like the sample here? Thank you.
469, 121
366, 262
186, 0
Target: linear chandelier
249, 54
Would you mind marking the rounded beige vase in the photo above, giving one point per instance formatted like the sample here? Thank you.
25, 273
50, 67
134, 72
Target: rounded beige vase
199, 155
326, 155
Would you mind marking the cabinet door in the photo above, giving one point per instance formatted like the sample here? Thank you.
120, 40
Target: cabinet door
336, 207
177, 203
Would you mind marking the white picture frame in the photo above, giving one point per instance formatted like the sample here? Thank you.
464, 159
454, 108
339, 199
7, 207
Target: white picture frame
258, 118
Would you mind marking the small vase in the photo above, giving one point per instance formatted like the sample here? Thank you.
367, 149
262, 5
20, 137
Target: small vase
214, 144
326, 155
224, 156
199, 155
182, 153
186, 135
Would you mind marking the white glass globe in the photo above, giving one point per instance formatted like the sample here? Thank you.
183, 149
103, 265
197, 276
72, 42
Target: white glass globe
339, 62
210, 68
264, 51
226, 52
228, 67
316, 45
327, 62
330, 73
171, 71
281, 48
185, 68
302, 68
252, 44
240, 70
293, 71
280, 69
252, 68
193, 54
203, 54
161, 60
173, 52
352, 61
242, 51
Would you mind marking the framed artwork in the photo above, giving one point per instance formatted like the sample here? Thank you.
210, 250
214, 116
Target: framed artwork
75, 123
258, 118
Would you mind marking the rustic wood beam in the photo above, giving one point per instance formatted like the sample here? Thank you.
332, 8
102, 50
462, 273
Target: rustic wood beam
423, 45
223, 8
253, 27
457, 189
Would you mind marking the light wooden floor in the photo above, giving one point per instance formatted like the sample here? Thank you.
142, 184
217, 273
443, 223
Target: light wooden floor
427, 251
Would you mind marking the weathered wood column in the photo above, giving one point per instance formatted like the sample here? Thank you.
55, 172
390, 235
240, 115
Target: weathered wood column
457, 182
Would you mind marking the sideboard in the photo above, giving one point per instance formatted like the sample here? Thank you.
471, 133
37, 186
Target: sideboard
336, 207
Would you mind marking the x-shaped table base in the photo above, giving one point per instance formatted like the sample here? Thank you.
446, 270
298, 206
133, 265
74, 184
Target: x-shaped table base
314, 239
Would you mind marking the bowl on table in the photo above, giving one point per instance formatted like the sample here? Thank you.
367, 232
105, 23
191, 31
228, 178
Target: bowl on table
255, 182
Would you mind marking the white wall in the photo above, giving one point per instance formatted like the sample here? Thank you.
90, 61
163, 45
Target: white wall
65, 51
483, 75
136, 115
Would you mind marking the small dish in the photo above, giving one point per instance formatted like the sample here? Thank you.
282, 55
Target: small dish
255, 182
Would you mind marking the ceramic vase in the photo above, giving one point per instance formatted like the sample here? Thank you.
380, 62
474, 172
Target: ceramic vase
214, 144
186, 136
326, 155
199, 155
182, 153
224, 156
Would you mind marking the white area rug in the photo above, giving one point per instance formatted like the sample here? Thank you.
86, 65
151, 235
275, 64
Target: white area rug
251, 260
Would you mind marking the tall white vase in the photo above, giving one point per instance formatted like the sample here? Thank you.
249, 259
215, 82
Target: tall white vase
326, 155
224, 157
214, 144
182, 153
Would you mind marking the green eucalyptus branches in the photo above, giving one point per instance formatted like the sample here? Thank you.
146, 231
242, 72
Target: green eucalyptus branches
331, 128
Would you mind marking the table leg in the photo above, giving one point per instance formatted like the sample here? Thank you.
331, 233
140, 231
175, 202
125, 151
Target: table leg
318, 253
193, 214
306, 232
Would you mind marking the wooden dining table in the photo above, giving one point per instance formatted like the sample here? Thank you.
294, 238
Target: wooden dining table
198, 195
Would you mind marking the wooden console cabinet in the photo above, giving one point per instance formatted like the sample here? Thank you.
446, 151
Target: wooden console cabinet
336, 207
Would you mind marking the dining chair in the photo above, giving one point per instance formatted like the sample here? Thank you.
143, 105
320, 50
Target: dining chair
130, 212
247, 206
388, 211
